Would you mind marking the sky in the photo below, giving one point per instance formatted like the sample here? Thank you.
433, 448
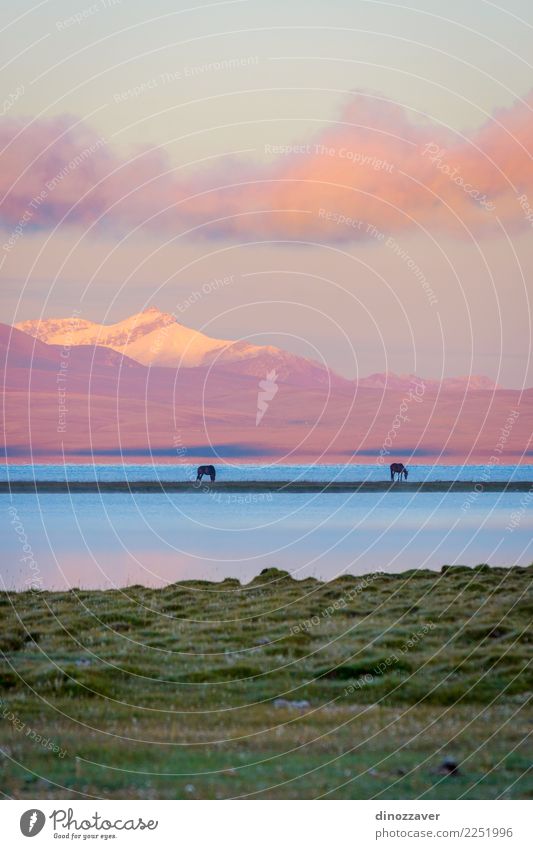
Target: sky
360, 171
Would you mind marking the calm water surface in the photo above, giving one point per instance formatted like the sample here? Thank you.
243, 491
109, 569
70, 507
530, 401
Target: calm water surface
90, 540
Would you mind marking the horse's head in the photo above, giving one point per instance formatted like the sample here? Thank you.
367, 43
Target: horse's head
405, 473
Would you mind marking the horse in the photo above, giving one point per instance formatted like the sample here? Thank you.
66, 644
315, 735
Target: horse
206, 470
398, 469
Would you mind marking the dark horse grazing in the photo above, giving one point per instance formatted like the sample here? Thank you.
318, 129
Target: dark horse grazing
206, 470
398, 469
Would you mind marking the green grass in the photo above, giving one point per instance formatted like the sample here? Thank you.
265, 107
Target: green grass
170, 693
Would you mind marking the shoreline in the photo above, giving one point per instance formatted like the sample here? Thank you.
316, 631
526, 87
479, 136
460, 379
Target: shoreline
360, 487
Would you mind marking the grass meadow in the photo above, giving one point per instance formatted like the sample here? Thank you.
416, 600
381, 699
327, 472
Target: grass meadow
414, 685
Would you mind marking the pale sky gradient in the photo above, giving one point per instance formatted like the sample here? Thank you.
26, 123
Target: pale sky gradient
288, 74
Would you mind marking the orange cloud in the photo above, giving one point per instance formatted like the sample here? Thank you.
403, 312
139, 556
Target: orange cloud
375, 167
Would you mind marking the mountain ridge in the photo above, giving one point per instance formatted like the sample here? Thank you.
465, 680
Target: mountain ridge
94, 401
156, 338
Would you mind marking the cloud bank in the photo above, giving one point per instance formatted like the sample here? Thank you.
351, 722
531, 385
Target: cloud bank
372, 172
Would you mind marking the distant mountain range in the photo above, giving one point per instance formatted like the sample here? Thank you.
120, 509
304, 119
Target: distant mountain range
155, 338
83, 392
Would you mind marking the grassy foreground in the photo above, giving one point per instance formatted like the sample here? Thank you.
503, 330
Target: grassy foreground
381, 686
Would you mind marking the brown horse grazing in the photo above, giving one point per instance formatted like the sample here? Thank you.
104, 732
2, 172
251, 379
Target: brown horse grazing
206, 470
398, 469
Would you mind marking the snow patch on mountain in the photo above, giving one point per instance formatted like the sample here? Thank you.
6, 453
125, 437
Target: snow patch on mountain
155, 338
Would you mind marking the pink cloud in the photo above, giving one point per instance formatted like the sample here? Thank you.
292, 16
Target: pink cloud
374, 166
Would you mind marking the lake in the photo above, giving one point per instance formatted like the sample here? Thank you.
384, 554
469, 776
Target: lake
118, 539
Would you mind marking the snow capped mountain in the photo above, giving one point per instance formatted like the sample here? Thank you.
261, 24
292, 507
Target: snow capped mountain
19, 351
155, 338
83, 332
151, 337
